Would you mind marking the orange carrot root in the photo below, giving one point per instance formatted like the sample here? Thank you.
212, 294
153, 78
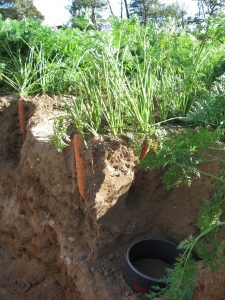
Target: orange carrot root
78, 143
144, 152
144, 149
21, 117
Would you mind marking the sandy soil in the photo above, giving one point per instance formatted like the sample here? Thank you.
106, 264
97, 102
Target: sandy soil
22, 275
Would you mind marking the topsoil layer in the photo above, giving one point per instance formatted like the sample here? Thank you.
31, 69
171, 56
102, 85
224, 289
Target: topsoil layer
55, 245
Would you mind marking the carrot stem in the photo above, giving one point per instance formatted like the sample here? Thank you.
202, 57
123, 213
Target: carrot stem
21, 117
78, 143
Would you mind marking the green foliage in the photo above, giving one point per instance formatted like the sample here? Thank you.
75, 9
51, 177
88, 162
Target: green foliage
85, 116
82, 22
212, 29
181, 280
60, 138
212, 211
210, 8
155, 11
19, 9
174, 67
129, 81
21, 73
80, 8
56, 52
126, 80
180, 154
210, 250
139, 78
211, 110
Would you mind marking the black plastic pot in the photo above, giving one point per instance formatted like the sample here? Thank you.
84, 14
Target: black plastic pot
147, 249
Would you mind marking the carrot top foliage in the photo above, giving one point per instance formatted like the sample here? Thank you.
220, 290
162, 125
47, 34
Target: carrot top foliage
141, 76
175, 65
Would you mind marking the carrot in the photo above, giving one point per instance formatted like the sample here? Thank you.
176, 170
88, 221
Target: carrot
144, 152
78, 143
144, 148
21, 117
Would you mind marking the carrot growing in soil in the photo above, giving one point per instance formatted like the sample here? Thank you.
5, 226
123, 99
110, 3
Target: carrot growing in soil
21, 117
144, 149
144, 152
78, 143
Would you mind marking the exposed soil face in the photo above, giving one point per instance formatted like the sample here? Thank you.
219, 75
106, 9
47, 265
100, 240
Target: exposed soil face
10, 142
71, 247
24, 277
211, 285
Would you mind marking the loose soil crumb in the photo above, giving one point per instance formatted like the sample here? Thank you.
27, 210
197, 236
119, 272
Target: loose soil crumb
152, 267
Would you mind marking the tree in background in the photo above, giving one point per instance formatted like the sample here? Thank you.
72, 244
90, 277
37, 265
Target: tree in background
126, 7
79, 8
210, 8
156, 11
110, 7
145, 9
207, 9
19, 9
174, 11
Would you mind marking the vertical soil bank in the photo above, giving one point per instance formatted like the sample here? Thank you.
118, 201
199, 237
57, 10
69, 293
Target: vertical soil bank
79, 242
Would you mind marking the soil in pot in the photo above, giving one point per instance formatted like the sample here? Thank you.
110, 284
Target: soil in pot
152, 267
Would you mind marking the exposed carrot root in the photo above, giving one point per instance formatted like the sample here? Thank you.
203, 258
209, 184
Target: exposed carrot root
144, 152
144, 149
78, 143
21, 117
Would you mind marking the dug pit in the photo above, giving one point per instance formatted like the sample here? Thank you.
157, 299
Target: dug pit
66, 247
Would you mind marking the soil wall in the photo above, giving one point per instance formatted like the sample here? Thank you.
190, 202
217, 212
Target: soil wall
78, 243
